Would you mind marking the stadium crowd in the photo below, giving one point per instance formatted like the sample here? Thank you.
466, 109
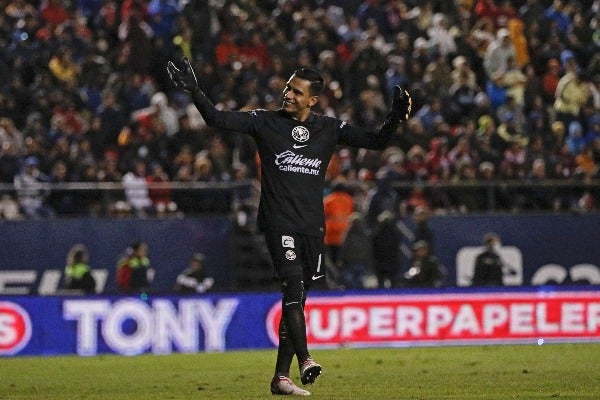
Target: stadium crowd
504, 91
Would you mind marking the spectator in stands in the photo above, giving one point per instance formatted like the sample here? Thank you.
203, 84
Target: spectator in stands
31, 195
136, 189
53, 12
135, 45
516, 29
10, 162
488, 268
417, 198
226, 49
386, 239
382, 198
9, 208
593, 131
163, 14
439, 35
437, 161
161, 196
587, 166
572, 92
437, 74
558, 38
356, 254
159, 108
550, 79
424, 269
557, 15
557, 139
467, 199
78, 273
575, 139
193, 279
134, 273
497, 55
338, 206
539, 197
515, 82
19, 9
423, 231
10, 134
493, 197
63, 67
486, 9
510, 132
462, 96
62, 201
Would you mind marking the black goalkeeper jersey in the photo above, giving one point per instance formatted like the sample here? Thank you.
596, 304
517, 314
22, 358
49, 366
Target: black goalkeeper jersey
294, 158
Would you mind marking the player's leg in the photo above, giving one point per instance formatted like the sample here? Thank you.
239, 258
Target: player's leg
292, 337
292, 327
313, 271
293, 299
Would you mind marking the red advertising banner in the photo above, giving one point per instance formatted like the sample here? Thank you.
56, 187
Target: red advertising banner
458, 318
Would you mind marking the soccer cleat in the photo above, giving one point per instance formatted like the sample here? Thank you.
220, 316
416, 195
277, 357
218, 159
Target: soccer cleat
309, 371
282, 385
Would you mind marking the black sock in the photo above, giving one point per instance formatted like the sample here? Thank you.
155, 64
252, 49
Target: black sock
294, 320
285, 351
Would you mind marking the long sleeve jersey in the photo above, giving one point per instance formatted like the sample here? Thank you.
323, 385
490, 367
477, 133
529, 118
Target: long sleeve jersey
294, 158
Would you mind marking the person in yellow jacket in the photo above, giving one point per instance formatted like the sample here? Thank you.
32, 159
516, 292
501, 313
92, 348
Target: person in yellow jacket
78, 273
572, 92
63, 67
516, 29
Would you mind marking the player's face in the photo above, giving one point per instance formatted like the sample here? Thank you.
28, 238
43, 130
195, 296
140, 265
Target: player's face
297, 99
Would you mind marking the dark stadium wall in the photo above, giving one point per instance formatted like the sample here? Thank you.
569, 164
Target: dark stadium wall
539, 249
34, 252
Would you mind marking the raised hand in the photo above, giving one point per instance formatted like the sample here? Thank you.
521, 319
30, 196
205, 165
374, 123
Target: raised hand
183, 75
401, 104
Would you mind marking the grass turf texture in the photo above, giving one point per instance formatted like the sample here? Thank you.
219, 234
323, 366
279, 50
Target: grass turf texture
551, 371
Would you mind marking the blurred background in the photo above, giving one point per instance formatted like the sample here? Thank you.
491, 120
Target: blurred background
97, 148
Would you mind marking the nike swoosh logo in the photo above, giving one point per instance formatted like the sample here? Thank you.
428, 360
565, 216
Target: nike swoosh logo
315, 277
299, 146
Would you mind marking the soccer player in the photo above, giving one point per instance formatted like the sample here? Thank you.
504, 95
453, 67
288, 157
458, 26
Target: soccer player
295, 145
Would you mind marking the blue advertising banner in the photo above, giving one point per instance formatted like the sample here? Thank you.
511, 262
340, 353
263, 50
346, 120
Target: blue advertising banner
92, 325
52, 325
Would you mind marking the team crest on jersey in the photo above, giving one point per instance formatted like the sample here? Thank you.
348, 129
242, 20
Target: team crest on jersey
290, 255
300, 134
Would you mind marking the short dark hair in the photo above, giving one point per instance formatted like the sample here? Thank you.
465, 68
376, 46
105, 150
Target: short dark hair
314, 77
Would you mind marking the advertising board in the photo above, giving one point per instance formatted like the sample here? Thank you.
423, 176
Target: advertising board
88, 326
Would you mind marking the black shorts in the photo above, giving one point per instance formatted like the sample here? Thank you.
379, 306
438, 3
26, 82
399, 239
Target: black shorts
297, 255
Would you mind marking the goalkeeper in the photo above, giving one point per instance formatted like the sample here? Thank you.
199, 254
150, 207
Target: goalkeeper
295, 145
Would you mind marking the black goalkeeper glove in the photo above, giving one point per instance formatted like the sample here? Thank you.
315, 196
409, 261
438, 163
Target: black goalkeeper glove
183, 75
401, 105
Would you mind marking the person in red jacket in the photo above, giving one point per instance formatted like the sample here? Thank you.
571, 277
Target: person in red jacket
53, 12
339, 206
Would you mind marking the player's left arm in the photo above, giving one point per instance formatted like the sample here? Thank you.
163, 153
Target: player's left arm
360, 137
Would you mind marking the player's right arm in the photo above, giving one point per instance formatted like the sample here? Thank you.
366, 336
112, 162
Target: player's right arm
183, 77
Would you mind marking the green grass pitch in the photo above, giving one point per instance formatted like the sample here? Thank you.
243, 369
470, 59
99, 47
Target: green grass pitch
550, 371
